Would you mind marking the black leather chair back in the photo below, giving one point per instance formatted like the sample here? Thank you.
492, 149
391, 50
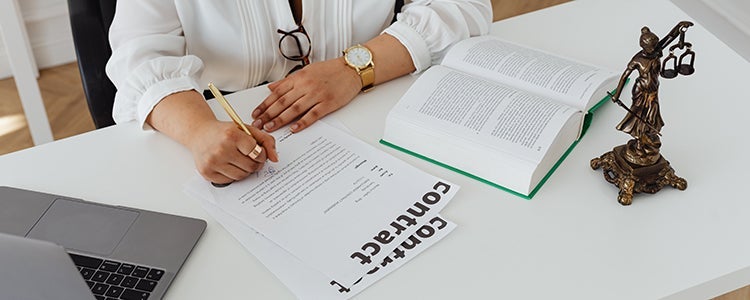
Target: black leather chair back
90, 21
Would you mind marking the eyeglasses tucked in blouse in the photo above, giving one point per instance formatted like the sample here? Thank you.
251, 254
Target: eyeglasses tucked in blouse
298, 40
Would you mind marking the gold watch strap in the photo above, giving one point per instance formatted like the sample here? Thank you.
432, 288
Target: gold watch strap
368, 78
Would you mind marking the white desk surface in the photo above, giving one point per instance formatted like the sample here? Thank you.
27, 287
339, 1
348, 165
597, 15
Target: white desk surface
573, 240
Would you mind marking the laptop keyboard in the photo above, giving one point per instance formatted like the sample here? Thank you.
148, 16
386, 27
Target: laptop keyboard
109, 279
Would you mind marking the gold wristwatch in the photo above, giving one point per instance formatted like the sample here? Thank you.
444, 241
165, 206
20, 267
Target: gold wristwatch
360, 59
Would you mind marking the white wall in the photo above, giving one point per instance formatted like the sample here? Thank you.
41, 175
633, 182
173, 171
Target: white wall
736, 12
48, 26
729, 20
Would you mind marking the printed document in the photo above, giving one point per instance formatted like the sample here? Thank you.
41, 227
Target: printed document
304, 281
336, 203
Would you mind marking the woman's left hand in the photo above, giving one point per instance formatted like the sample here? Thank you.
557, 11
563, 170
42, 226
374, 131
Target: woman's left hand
312, 92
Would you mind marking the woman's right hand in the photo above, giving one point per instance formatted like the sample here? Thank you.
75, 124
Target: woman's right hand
219, 148
220, 151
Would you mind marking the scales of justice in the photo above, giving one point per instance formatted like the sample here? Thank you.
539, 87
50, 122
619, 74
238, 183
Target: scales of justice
637, 166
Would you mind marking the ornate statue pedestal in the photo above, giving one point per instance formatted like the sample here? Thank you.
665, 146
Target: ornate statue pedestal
630, 178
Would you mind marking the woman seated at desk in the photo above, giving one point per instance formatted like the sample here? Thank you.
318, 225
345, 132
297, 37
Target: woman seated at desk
164, 53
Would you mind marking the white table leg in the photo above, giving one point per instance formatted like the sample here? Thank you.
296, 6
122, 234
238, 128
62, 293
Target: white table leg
24, 70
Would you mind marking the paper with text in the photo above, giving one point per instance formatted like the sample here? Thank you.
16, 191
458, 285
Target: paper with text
304, 281
335, 202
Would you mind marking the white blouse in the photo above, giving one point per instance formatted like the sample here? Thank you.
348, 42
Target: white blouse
160, 47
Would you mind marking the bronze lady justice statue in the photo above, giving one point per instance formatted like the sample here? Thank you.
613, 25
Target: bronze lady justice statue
638, 166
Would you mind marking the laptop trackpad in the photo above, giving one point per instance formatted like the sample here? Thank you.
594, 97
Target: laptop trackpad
82, 226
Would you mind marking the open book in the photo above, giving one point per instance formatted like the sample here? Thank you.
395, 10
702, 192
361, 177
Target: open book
498, 112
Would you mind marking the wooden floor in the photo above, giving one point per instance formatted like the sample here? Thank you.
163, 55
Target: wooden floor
63, 98
66, 106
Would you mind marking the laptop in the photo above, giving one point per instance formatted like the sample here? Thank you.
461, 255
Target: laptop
33, 269
119, 252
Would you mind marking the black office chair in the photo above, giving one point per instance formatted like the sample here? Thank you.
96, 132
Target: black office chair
90, 21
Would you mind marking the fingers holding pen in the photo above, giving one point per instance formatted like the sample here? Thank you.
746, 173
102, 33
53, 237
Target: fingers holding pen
253, 151
224, 157
267, 142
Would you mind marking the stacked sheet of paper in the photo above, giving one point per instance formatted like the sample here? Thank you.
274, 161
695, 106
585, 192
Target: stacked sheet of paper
334, 215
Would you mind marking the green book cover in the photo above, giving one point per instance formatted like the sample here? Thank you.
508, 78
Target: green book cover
586, 124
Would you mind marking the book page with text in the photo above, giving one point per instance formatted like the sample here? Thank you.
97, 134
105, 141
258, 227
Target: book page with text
335, 202
576, 84
483, 112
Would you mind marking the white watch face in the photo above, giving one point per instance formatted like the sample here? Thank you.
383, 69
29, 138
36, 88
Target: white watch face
359, 56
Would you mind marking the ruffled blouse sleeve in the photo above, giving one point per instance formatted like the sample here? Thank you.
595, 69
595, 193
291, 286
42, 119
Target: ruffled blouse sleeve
427, 28
149, 60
